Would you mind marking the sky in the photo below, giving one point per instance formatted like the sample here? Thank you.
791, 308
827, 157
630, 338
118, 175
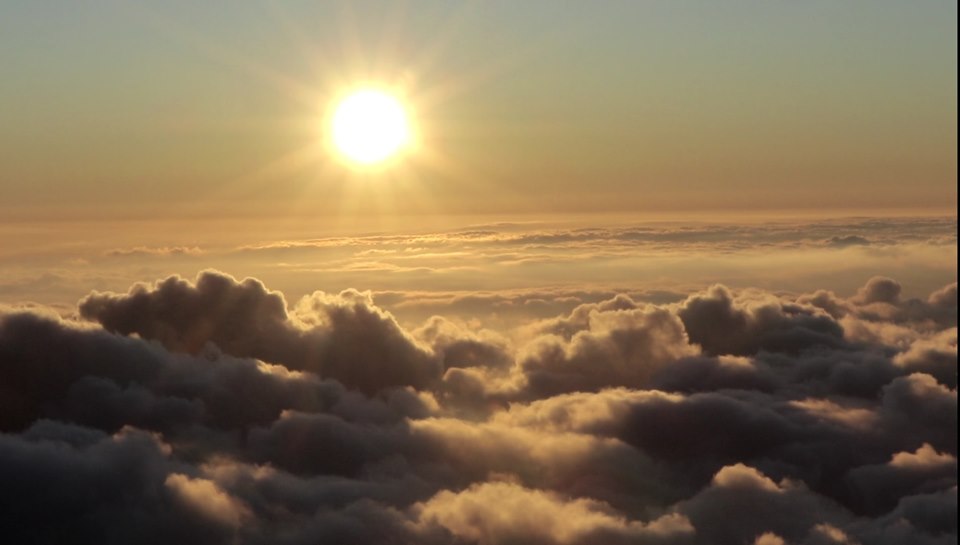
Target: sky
118, 109
647, 272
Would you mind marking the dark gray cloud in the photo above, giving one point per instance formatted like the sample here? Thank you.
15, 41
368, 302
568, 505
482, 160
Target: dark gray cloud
343, 336
847, 240
98, 489
215, 412
723, 324
880, 300
243, 318
879, 487
618, 347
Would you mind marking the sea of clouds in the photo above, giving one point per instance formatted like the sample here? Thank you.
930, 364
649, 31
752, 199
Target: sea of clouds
214, 410
516, 270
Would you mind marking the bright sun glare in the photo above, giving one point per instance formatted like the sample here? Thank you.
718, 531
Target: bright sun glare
370, 126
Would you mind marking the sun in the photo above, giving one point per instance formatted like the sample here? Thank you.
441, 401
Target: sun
370, 126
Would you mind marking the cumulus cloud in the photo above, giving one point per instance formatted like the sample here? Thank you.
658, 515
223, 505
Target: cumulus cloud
205, 498
498, 513
215, 411
742, 503
619, 347
880, 301
341, 336
881, 486
724, 324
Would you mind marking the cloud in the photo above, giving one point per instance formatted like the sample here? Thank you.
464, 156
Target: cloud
411, 274
848, 240
458, 346
618, 347
945, 297
161, 251
924, 519
500, 512
880, 301
935, 355
724, 324
242, 318
742, 504
107, 489
881, 486
344, 336
204, 497
922, 409
322, 444
215, 411
769, 538
879, 290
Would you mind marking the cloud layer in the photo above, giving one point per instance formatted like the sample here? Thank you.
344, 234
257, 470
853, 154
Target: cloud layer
215, 411
510, 271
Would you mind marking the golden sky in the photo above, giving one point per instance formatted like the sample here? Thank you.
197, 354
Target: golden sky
118, 109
